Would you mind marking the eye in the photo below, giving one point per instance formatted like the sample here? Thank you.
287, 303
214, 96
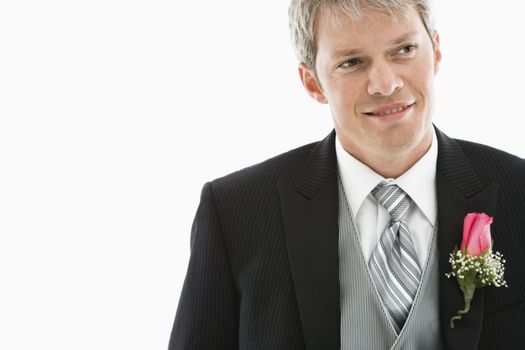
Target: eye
350, 63
407, 49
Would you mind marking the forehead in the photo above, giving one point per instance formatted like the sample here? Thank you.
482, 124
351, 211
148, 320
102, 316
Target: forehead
340, 31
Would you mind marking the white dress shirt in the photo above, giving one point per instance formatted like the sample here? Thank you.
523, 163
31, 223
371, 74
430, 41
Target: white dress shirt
370, 218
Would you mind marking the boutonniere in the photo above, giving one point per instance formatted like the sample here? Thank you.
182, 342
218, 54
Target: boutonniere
475, 265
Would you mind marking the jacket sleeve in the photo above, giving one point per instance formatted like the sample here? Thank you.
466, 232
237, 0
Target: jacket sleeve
207, 314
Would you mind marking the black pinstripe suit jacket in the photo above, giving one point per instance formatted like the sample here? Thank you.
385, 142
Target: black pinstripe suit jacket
264, 270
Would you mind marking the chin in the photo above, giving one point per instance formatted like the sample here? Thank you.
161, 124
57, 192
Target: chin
404, 141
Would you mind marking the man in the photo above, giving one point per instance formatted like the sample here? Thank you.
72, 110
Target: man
345, 243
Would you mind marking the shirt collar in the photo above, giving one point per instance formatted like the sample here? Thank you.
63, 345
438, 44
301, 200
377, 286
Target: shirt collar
419, 182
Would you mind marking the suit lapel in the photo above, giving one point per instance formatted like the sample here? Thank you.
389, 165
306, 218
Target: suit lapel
459, 192
310, 217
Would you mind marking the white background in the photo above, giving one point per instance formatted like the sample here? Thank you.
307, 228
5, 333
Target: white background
113, 114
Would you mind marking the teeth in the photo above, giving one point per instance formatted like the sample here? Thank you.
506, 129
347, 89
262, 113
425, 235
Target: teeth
392, 111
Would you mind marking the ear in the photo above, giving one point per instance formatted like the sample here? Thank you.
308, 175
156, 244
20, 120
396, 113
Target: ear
310, 83
437, 51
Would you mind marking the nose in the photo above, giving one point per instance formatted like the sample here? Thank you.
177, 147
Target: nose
383, 80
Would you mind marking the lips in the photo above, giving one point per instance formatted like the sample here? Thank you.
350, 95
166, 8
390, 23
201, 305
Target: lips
389, 109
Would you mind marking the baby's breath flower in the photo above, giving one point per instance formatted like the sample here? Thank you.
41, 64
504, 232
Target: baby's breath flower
489, 268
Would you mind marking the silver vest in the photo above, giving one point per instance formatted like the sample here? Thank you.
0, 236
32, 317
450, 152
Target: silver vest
364, 323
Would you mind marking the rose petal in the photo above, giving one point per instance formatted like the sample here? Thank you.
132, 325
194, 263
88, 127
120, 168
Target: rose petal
485, 239
481, 223
467, 224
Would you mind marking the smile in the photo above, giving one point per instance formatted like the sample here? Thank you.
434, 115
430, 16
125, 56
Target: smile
387, 111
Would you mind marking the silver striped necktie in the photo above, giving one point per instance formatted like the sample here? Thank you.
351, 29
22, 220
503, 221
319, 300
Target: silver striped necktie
393, 265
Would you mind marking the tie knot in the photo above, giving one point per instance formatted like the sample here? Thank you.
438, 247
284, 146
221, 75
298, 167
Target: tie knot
393, 199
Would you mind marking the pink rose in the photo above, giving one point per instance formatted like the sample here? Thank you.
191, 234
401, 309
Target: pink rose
476, 233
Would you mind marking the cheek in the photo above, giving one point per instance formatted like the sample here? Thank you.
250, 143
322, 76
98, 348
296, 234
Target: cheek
421, 81
426, 73
346, 95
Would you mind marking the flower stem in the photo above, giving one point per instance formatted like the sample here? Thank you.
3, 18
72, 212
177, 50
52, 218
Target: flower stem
460, 313
468, 294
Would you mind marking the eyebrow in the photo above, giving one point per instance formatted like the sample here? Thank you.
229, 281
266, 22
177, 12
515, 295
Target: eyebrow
354, 52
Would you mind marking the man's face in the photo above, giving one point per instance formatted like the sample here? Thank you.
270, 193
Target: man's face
377, 75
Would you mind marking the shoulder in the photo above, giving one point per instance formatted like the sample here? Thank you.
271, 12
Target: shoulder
493, 163
496, 166
263, 176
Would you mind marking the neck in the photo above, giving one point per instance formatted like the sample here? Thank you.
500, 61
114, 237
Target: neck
391, 164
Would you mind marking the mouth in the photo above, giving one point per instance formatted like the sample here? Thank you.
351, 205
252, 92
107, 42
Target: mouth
391, 110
